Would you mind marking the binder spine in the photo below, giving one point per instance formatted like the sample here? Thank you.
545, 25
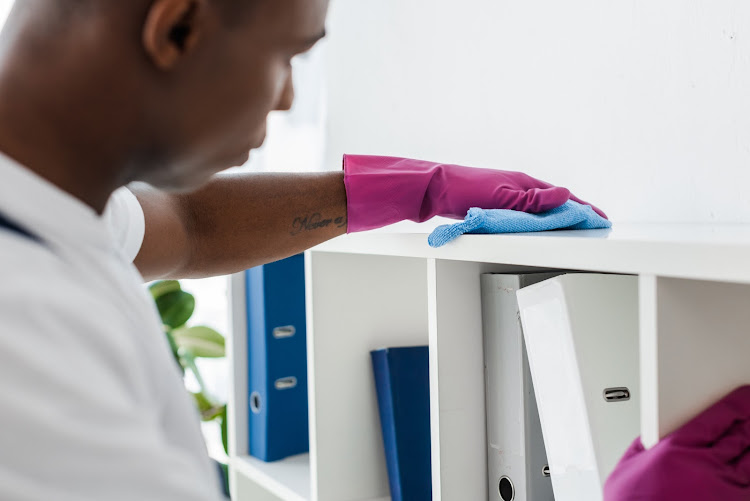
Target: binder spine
257, 373
516, 456
403, 391
384, 390
277, 359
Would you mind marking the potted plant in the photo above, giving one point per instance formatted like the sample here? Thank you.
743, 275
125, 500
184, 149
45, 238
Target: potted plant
190, 343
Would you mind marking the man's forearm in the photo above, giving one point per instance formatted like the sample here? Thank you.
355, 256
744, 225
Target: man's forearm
238, 221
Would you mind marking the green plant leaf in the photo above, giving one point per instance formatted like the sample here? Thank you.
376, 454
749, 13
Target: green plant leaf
200, 341
208, 409
202, 402
162, 287
175, 308
212, 413
224, 432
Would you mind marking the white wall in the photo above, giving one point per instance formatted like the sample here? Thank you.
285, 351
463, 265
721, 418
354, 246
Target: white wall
5, 6
296, 139
642, 107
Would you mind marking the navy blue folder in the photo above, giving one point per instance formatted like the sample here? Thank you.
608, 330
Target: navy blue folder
277, 359
402, 382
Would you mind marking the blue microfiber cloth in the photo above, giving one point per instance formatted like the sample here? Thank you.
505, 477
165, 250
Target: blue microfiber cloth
569, 216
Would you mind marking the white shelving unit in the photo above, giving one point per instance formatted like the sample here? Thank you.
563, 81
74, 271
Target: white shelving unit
388, 288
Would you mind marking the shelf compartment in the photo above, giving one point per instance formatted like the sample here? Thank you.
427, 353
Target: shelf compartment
356, 303
695, 340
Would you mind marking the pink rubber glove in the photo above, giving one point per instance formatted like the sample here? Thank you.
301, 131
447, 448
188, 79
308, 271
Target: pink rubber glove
385, 190
706, 459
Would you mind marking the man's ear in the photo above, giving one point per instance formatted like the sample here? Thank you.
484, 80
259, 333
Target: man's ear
172, 29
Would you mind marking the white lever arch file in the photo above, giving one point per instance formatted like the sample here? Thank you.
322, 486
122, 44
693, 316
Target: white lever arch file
516, 459
581, 333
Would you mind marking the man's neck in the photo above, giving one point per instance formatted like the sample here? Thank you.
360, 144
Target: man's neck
62, 135
78, 174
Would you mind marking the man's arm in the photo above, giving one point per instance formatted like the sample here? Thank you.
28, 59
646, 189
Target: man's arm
238, 221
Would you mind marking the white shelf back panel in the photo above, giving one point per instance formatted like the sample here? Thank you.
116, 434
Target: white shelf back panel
697, 340
358, 303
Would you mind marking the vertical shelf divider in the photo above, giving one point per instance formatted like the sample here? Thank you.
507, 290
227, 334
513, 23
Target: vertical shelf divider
311, 416
236, 352
432, 325
649, 359
237, 410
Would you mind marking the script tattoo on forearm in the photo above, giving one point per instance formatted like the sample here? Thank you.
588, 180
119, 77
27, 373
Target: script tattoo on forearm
315, 221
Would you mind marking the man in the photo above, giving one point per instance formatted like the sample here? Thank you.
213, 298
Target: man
98, 94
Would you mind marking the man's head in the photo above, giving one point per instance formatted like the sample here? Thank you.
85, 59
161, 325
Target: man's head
191, 81
224, 65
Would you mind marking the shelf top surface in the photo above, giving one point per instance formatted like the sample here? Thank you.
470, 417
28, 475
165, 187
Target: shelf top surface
698, 251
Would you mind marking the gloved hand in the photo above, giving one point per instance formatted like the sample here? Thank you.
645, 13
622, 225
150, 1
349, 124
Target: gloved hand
384, 190
706, 459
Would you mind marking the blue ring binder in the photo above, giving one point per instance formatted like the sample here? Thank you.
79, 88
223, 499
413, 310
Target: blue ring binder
277, 359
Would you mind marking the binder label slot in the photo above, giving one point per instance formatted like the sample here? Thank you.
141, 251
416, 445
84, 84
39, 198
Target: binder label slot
285, 383
284, 332
616, 394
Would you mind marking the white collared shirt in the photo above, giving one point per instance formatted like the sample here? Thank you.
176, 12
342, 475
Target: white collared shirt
92, 404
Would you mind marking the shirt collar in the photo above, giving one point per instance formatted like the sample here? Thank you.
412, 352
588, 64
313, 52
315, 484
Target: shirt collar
45, 210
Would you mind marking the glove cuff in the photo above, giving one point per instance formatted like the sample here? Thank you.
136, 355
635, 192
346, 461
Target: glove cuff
384, 190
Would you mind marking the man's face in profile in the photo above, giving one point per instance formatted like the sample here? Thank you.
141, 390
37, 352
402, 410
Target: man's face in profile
228, 78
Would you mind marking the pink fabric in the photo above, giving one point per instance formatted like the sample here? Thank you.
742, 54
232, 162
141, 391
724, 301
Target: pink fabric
384, 190
706, 459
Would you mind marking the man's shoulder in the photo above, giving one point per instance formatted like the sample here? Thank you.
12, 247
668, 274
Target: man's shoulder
44, 298
21, 255
31, 272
